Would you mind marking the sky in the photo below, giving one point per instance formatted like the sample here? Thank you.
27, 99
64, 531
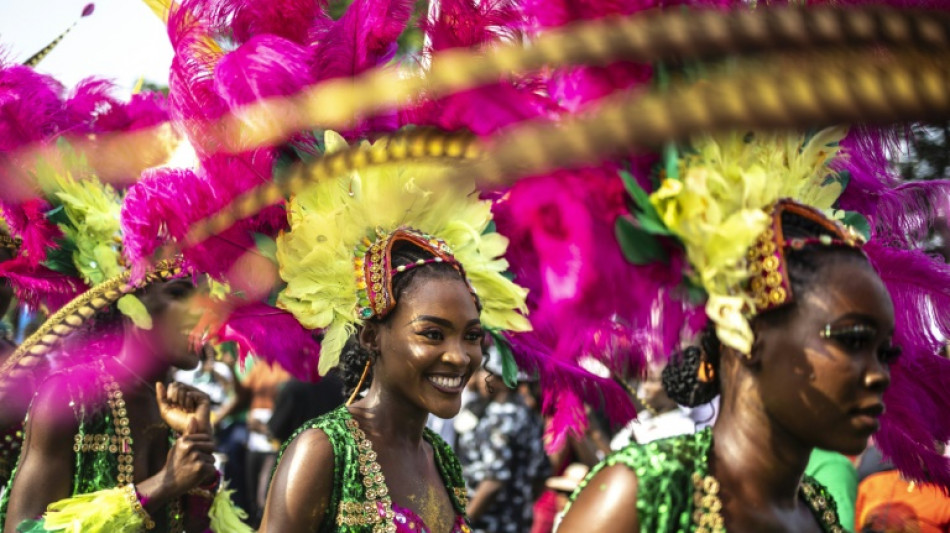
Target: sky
122, 40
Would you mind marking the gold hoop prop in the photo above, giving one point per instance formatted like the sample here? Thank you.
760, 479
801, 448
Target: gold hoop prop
74, 314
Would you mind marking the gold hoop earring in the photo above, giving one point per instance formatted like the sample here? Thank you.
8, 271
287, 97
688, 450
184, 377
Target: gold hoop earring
369, 363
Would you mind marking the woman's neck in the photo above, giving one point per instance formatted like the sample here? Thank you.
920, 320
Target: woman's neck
391, 417
756, 461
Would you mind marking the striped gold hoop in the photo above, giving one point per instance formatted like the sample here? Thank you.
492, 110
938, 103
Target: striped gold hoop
74, 314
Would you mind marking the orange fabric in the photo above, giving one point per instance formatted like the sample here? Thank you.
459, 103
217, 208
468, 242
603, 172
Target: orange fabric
263, 380
888, 504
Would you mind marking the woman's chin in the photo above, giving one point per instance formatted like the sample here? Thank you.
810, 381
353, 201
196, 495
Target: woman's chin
446, 410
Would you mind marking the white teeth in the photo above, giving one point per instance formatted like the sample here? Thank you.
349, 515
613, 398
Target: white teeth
446, 382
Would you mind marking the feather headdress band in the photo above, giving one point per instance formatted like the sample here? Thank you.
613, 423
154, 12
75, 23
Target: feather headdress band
769, 284
719, 200
374, 270
77, 312
335, 261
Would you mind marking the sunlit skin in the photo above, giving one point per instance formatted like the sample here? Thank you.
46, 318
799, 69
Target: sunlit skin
162, 473
434, 332
797, 391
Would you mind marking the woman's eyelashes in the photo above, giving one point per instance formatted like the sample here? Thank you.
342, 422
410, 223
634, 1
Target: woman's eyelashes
475, 335
435, 334
859, 337
432, 334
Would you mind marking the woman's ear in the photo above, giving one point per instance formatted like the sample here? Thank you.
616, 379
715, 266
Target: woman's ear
369, 337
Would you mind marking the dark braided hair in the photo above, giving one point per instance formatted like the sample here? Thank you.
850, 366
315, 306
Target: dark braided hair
681, 375
354, 356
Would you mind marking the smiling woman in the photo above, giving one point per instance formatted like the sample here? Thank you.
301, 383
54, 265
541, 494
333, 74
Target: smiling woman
402, 273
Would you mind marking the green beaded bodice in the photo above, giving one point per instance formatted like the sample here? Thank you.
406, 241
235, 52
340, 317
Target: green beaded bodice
356, 498
673, 488
102, 444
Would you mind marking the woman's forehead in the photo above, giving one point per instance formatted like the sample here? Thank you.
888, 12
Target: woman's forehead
849, 287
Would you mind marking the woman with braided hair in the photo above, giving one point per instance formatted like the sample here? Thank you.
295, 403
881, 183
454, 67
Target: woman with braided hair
803, 317
815, 377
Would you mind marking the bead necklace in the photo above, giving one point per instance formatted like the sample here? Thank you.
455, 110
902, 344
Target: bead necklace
120, 444
378, 508
707, 516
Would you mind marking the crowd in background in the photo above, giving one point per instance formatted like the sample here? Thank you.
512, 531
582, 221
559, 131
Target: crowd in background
514, 485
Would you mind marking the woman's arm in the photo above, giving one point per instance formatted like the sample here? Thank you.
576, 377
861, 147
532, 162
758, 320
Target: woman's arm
45, 472
302, 486
606, 505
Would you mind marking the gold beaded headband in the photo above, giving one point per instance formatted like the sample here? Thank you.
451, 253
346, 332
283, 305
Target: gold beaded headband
770, 285
374, 270
74, 315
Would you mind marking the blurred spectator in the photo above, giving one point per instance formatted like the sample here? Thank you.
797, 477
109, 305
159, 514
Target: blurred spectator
577, 453
211, 377
872, 462
300, 401
230, 429
503, 460
889, 504
565, 485
837, 474
258, 392
661, 416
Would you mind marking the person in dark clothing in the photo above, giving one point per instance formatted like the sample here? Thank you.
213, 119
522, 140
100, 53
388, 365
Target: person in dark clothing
300, 401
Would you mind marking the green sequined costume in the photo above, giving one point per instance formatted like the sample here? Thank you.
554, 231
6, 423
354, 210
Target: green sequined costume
353, 506
97, 443
666, 470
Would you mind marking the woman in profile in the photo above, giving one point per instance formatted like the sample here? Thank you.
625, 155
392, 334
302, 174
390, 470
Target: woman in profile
799, 343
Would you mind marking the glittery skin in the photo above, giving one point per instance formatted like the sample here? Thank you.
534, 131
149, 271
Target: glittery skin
347, 479
665, 490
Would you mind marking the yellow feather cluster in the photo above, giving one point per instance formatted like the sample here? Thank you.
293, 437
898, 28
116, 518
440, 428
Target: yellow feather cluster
93, 209
329, 219
717, 204
104, 511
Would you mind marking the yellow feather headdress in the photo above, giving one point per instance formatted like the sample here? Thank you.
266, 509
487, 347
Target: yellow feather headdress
333, 219
719, 203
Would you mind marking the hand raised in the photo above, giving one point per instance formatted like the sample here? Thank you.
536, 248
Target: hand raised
190, 462
178, 404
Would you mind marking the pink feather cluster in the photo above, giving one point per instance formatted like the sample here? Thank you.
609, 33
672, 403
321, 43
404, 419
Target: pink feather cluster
35, 110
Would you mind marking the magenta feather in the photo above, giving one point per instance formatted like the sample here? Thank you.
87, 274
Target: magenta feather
467, 23
562, 248
290, 19
27, 220
363, 38
275, 336
193, 102
486, 109
36, 284
483, 111
163, 205
265, 66
564, 385
31, 107
918, 401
